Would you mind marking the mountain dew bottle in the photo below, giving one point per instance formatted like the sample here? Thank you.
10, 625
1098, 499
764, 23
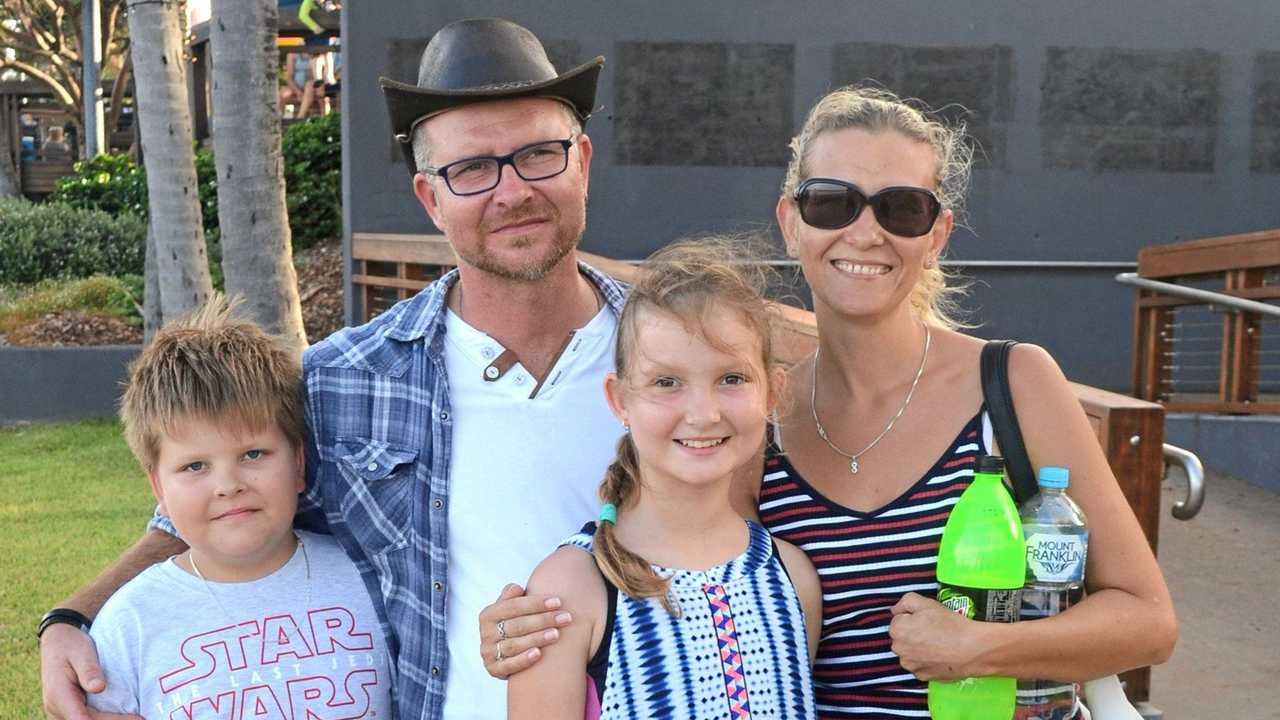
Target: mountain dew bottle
981, 569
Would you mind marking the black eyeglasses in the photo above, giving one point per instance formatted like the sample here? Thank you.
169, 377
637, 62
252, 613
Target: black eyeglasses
474, 175
832, 204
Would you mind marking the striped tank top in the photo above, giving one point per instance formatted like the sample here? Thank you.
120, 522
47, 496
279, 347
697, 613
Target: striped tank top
738, 650
866, 562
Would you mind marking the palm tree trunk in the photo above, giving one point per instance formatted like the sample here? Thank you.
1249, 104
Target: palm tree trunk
165, 120
257, 247
10, 149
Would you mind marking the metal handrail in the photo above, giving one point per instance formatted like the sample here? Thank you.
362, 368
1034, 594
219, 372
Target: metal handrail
1206, 296
1194, 470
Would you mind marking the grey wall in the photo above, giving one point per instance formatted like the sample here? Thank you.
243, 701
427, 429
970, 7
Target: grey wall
55, 383
1106, 126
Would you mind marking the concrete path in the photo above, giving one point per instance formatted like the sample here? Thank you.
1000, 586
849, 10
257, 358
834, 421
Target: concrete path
1223, 568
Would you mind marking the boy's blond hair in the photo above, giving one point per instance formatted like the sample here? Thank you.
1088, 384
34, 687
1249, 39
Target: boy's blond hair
216, 365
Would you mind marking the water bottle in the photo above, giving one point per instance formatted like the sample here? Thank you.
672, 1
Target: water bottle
982, 566
1057, 543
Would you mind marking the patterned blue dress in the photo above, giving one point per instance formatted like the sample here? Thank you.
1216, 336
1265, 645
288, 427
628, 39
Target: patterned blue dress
736, 652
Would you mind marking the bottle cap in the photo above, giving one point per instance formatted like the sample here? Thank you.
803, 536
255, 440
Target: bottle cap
1054, 477
991, 464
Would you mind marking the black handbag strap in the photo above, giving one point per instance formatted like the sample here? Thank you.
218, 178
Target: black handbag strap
1004, 421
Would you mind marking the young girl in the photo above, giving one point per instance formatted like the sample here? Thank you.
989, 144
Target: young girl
681, 608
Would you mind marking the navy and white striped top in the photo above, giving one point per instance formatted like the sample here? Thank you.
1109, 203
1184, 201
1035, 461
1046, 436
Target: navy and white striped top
738, 650
866, 563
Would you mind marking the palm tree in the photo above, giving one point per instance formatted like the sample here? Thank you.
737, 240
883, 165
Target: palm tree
165, 120
257, 247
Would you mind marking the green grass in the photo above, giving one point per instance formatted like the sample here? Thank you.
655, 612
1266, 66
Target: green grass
71, 499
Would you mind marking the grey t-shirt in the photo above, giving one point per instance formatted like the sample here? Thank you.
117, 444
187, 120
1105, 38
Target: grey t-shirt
282, 647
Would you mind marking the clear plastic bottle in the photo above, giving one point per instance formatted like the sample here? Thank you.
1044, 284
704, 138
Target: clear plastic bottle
1057, 545
981, 569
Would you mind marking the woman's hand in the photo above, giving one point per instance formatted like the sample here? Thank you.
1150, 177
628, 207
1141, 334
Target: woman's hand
932, 642
515, 627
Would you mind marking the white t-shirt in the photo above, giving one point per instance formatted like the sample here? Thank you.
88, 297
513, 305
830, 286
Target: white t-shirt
523, 476
282, 647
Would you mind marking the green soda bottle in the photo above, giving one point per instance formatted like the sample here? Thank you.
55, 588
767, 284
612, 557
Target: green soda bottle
981, 569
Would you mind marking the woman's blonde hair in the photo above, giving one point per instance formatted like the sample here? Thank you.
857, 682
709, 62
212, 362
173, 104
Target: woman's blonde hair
934, 300
693, 281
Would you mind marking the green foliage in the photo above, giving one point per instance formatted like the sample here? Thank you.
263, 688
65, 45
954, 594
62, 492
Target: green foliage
74, 499
312, 171
313, 179
111, 183
53, 240
97, 295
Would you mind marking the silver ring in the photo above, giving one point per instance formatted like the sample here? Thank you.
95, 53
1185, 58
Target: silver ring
497, 656
502, 630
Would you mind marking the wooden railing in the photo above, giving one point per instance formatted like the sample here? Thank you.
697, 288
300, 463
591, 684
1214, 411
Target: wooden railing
1195, 357
40, 177
1131, 431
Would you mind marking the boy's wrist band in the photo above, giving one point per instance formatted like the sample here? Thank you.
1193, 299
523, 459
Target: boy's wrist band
66, 616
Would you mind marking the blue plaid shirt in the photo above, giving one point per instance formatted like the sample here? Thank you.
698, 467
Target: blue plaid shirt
378, 456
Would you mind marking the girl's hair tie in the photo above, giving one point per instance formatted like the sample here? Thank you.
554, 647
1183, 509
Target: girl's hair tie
609, 513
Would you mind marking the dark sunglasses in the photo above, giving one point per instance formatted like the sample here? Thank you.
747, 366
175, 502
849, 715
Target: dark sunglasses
832, 204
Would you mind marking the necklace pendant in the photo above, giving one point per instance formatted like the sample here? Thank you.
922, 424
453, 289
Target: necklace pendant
853, 465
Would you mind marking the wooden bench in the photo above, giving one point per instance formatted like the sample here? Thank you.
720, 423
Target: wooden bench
40, 177
389, 268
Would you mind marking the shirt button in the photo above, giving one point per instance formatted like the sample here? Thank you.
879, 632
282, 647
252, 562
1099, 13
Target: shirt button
373, 466
491, 372
444, 416
435, 670
437, 503
487, 353
437, 586
519, 379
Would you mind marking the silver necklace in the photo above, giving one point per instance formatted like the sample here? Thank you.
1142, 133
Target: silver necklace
306, 559
822, 432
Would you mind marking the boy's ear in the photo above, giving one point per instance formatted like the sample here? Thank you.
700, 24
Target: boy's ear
156, 489
614, 396
300, 461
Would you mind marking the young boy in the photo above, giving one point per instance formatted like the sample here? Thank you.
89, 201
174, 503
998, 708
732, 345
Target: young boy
256, 620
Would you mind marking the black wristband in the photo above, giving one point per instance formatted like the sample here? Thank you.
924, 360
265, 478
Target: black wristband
63, 616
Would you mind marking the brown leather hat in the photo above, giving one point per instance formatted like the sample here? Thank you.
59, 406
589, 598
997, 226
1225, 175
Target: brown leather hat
482, 59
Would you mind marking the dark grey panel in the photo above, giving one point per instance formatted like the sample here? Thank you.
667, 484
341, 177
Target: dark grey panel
717, 104
1112, 110
973, 85
62, 383
1265, 152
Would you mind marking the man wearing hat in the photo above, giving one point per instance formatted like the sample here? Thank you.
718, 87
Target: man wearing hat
457, 438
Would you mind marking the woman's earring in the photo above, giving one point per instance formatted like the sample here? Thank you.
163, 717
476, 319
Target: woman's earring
931, 262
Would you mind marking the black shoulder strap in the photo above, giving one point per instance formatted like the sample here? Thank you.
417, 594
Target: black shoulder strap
1004, 421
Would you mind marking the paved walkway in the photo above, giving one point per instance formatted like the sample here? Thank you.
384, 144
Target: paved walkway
1223, 568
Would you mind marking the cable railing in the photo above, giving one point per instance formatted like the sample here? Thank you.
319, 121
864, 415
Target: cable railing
1207, 326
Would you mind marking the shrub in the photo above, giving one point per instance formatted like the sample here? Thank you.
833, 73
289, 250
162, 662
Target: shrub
313, 179
97, 295
312, 171
54, 240
111, 183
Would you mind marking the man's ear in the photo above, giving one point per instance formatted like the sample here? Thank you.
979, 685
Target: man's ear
426, 194
157, 490
585, 151
613, 394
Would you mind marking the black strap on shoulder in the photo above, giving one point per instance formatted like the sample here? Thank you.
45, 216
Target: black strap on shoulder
1004, 421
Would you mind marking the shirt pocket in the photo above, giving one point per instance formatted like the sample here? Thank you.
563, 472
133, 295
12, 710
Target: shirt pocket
379, 507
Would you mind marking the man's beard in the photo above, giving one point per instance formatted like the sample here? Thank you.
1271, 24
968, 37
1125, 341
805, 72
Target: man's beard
565, 240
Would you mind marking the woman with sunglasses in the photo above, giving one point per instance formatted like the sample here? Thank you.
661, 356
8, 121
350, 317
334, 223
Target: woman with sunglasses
882, 430
886, 420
